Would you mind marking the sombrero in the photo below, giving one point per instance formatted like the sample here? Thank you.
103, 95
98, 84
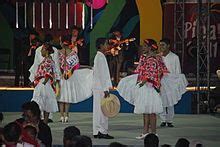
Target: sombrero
110, 106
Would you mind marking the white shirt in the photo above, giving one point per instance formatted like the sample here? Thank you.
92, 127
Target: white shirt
172, 63
101, 75
39, 58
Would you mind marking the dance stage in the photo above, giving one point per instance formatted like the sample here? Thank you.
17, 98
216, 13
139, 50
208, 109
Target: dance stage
12, 99
126, 126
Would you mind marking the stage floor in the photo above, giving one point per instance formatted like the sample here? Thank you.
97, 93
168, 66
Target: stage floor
126, 126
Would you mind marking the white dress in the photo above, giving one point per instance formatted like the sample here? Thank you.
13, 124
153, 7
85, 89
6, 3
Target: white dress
174, 84
77, 87
44, 95
145, 99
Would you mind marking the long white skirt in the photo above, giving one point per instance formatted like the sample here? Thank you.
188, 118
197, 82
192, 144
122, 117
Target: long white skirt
77, 88
45, 97
145, 99
173, 86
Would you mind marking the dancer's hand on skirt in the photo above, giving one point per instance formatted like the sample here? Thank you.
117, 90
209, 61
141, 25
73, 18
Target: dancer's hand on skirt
142, 83
107, 94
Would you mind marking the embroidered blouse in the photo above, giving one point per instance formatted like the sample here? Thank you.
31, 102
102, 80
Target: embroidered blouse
151, 69
68, 62
46, 69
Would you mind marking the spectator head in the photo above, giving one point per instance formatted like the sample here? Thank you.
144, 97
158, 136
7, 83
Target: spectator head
31, 111
79, 141
151, 140
116, 144
69, 134
31, 131
182, 142
88, 140
11, 133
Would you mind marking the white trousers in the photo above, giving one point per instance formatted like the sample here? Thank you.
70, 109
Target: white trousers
167, 114
100, 122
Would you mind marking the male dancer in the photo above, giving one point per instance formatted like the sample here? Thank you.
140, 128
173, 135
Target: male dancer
101, 85
172, 63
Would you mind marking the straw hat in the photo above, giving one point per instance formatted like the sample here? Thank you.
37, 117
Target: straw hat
110, 106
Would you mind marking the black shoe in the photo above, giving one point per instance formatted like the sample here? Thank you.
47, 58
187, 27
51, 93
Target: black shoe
163, 124
170, 125
95, 136
50, 120
105, 136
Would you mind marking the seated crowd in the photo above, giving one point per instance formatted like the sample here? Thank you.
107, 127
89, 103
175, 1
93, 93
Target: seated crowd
31, 131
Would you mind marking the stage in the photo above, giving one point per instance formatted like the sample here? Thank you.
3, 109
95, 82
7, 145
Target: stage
12, 99
126, 126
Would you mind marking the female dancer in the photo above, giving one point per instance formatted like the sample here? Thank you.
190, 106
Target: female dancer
75, 84
44, 91
142, 89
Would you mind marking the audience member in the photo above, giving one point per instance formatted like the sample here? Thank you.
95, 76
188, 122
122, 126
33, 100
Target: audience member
11, 134
79, 141
31, 132
182, 142
31, 115
151, 140
88, 140
68, 135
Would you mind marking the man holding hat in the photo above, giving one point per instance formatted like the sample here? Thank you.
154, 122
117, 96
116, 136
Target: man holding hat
101, 85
